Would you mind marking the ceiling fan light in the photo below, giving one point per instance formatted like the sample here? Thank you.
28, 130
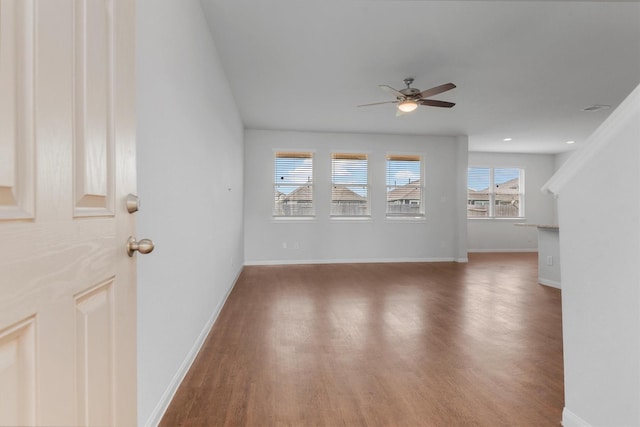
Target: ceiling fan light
407, 106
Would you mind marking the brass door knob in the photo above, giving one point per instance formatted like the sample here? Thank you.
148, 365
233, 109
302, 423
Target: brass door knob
144, 246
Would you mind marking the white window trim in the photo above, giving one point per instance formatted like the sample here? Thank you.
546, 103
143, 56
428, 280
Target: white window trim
287, 218
293, 219
361, 218
492, 194
422, 218
423, 171
351, 218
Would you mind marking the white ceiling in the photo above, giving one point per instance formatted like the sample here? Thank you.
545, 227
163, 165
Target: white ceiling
524, 69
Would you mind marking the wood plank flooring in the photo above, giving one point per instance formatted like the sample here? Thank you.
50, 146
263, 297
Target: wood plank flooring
407, 344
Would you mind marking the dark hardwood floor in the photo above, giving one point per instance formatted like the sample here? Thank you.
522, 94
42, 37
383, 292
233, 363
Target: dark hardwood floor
407, 344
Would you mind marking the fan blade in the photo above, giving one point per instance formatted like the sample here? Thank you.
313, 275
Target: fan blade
391, 90
436, 90
378, 103
434, 103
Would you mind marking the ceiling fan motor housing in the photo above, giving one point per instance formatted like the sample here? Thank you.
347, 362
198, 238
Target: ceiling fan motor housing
410, 92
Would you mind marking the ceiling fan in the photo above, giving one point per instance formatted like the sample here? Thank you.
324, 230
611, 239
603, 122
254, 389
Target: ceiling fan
409, 98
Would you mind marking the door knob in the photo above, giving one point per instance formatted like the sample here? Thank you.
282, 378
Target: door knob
144, 246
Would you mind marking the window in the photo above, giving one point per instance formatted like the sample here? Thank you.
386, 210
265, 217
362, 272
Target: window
495, 193
404, 186
350, 185
293, 185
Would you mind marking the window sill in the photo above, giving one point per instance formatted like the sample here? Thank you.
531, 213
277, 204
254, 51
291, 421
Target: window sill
421, 218
293, 219
518, 219
351, 219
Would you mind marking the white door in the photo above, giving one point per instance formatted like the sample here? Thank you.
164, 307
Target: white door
67, 162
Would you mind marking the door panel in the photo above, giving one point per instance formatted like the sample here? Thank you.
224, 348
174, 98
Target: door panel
67, 163
16, 109
93, 138
17, 374
95, 354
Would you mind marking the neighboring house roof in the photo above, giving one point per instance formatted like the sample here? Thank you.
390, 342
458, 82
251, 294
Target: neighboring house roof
343, 194
300, 194
410, 191
508, 187
507, 191
338, 193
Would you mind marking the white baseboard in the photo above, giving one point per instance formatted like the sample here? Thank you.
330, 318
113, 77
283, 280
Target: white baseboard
569, 419
158, 412
548, 282
349, 261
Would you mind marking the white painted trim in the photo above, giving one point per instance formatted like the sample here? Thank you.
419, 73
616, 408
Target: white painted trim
595, 143
547, 282
479, 251
158, 412
569, 419
462, 260
347, 261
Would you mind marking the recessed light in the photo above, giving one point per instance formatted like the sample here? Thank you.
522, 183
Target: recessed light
508, 139
571, 142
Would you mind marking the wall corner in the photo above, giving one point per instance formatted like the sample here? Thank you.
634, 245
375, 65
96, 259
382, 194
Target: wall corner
462, 164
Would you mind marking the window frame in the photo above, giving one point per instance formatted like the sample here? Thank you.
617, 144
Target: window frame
421, 214
492, 193
294, 154
350, 155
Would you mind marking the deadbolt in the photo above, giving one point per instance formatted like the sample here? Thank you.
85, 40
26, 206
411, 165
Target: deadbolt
144, 246
133, 203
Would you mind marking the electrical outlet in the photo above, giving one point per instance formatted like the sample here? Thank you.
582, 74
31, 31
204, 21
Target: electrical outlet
550, 260
284, 245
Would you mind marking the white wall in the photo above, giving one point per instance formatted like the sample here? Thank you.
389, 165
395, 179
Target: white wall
442, 236
501, 235
560, 159
600, 248
190, 148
